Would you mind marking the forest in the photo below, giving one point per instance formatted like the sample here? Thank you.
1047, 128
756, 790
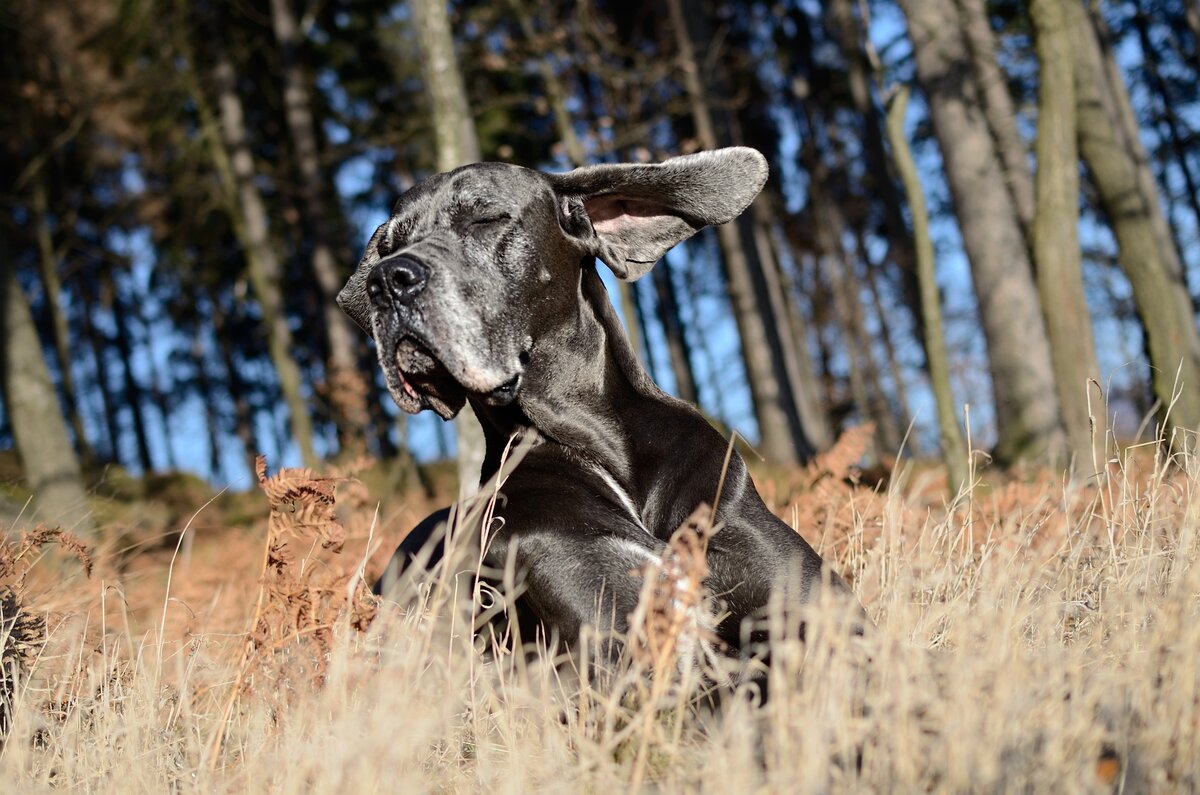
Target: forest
998, 214
955, 337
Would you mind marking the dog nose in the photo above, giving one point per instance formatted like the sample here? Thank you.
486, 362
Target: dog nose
396, 280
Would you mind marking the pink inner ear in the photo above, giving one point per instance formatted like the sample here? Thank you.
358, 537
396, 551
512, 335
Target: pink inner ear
614, 214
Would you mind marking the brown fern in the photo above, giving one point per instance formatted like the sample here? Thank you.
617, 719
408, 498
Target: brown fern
22, 631
666, 620
840, 461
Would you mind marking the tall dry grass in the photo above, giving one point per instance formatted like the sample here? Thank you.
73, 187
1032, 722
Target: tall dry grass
1035, 636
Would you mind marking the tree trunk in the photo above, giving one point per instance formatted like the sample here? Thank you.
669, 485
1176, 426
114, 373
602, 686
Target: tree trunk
866, 386
243, 417
693, 290
108, 402
638, 308
954, 454
998, 108
1117, 164
234, 162
789, 359
1026, 400
204, 387
405, 477
834, 267
672, 322
347, 392
50, 466
48, 267
457, 144
823, 320
133, 390
1056, 251
864, 379
812, 409
158, 398
382, 423
783, 440
1132, 131
1174, 134
881, 176
555, 96
1191, 14
902, 415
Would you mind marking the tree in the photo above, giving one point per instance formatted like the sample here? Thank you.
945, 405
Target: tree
347, 392
1176, 128
50, 466
783, 439
954, 454
1026, 398
860, 62
865, 388
457, 144
1056, 252
52, 285
234, 163
998, 108
1117, 164
134, 394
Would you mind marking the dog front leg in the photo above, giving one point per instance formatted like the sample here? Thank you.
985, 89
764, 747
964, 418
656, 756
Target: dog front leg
424, 545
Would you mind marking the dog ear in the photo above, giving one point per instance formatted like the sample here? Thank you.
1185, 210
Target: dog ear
638, 212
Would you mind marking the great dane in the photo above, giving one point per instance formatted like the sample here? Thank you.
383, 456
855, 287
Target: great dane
482, 287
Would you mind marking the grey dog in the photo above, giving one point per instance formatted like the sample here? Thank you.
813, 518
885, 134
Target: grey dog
482, 287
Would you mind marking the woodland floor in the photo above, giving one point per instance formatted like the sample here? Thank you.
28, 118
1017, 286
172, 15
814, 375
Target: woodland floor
1036, 634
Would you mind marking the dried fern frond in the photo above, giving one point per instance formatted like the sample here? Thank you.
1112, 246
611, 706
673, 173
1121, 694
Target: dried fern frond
839, 461
667, 625
829, 507
302, 503
302, 598
22, 631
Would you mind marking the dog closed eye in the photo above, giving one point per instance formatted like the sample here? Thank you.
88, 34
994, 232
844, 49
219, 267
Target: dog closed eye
490, 220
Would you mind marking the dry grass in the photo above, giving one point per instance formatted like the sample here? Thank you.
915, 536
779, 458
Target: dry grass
1038, 635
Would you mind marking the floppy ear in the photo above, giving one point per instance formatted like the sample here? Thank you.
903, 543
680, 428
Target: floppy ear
639, 212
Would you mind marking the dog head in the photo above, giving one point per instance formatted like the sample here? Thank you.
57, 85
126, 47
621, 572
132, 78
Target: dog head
474, 264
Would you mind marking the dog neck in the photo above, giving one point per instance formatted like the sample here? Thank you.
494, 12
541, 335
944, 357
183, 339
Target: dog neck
585, 390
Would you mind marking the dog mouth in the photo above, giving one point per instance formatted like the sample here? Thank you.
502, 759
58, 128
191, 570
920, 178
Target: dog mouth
417, 380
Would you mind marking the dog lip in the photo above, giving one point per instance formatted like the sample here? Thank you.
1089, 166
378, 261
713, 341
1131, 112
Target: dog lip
420, 379
406, 376
409, 389
506, 393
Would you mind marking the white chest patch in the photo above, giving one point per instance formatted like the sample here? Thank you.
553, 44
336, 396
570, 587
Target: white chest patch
622, 495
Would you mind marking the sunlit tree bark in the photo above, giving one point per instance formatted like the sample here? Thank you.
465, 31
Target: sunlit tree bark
852, 38
1056, 251
1117, 164
50, 466
1026, 398
998, 108
48, 267
954, 454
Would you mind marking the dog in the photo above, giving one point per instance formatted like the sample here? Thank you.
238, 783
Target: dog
482, 288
